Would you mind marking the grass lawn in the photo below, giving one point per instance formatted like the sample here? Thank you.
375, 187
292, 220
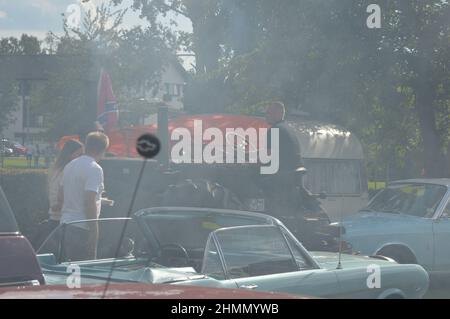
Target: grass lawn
20, 162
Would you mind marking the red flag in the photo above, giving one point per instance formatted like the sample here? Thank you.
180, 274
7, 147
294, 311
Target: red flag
107, 112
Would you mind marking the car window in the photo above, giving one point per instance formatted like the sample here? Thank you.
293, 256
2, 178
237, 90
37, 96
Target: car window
419, 200
192, 229
299, 255
255, 251
446, 211
212, 266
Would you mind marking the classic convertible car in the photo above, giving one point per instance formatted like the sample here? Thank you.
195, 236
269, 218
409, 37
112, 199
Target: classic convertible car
223, 249
408, 221
21, 276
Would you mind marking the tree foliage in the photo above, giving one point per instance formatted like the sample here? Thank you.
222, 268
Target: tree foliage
9, 90
389, 85
133, 57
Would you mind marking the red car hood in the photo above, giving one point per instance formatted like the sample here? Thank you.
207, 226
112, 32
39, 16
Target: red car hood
137, 291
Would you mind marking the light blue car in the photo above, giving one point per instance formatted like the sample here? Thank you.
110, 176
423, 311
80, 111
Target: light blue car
409, 221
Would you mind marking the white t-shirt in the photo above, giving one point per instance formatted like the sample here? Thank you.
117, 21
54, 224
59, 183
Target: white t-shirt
80, 175
53, 190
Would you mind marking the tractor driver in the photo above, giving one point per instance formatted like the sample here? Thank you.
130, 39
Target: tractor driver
281, 187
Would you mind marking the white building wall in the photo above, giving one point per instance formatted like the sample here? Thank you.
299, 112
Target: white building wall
172, 83
16, 124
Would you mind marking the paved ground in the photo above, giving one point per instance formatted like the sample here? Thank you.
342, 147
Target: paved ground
439, 288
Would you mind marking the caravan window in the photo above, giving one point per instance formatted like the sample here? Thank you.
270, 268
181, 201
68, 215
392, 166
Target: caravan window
332, 176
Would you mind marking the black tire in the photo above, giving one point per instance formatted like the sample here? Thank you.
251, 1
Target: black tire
395, 296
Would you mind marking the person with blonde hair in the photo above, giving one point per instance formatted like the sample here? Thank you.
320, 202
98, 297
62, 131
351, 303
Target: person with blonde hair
71, 150
82, 188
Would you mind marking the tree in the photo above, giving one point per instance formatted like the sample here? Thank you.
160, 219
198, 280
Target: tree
134, 58
9, 89
207, 17
319, 56
8, 103
422, 39
388, 85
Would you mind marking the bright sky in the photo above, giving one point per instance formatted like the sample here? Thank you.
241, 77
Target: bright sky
37, 17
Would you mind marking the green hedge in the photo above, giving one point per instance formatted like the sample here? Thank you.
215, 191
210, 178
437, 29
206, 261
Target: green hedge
27, 193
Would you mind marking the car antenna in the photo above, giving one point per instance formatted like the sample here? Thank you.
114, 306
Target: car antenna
148, 146
339, 265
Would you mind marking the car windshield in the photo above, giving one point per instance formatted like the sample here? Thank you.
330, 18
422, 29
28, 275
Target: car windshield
64, 242
411, 199
191, 229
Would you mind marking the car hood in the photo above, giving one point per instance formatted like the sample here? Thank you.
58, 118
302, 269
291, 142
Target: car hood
328, 260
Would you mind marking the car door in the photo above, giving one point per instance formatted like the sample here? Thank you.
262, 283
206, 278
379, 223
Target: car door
441, 233
265, 258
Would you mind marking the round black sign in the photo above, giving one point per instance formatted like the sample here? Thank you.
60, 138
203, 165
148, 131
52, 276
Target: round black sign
148, 145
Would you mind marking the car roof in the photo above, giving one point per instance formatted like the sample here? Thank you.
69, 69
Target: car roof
436, 181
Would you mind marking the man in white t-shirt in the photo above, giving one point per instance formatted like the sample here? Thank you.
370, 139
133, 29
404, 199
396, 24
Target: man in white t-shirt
81, 190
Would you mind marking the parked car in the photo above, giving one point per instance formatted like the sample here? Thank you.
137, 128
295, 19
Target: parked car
6, 151
18, 263
21, 276
222, 249
16, 148
408, 221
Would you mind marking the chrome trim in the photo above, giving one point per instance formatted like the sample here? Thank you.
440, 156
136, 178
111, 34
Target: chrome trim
221, 255
442, 205
181, 209
15, 233
20, 283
